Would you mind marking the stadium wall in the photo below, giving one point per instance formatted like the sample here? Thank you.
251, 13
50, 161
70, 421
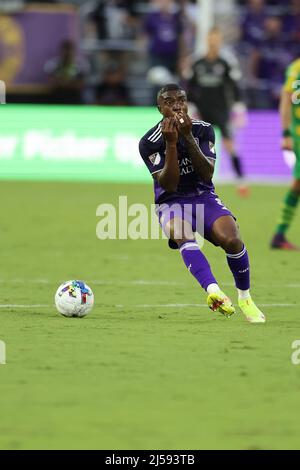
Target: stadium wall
79, 143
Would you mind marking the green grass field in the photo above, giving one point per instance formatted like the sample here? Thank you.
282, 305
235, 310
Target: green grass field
137, 373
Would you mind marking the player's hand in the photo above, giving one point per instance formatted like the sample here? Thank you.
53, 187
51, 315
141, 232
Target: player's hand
169, 130
287, 143
184, 124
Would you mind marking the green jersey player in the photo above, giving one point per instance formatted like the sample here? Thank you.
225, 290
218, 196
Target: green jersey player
290, 119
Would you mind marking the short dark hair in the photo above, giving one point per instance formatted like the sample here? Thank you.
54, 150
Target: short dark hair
169, 87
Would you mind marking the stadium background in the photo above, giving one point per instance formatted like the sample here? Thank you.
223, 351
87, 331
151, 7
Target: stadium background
111, 54
150, 367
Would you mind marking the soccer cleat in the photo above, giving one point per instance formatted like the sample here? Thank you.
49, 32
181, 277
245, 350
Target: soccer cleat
221, 303
279, 242
251, 311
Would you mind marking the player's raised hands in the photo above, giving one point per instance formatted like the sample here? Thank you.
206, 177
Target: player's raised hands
169, 130
184, 124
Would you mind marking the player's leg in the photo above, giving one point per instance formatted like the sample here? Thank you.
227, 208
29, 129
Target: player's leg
225, 233
180, 232
236, 162
288, 212
235, 159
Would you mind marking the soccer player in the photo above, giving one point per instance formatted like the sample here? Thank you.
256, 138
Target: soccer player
180, 155
290, 119
214, 87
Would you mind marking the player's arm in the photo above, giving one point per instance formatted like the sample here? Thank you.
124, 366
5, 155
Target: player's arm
285, 109
203, 165
286, 116
168, 177
233, 78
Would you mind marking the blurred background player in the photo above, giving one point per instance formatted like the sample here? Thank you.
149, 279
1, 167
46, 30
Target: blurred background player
214, 88
290, 119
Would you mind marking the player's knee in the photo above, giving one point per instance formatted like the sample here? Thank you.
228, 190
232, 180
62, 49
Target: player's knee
183, 240
180, 231
232, 244
183, 236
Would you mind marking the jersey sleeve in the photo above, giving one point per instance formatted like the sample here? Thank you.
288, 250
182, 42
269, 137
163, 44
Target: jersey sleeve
152, 156
207, 141
234, 76
292, 75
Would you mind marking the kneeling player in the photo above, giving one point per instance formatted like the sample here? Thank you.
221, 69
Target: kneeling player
180, 155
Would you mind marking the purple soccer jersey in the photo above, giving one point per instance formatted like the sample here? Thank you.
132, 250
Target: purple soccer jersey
192, 192
152, 149
164, 31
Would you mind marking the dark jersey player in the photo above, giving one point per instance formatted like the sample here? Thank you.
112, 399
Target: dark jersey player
180, 155
214, 88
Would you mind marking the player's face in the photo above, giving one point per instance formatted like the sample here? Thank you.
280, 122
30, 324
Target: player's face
172, 103
214, 41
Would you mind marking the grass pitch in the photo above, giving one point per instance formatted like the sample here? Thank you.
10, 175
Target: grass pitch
143, 370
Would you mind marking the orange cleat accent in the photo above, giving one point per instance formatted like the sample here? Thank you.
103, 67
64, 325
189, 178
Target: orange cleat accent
243, 191
279, 242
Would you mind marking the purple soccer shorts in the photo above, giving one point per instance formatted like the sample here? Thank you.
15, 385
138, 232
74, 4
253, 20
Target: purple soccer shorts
200, 211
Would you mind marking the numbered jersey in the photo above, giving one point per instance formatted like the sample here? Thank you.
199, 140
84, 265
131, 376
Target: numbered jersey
153, 149
292, 85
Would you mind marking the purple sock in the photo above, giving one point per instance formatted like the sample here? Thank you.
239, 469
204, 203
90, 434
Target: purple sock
240, 268
197, 264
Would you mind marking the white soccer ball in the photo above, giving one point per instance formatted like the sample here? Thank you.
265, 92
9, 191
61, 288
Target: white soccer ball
74, 299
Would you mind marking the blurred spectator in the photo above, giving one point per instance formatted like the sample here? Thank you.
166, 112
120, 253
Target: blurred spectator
292, 24
114, 19
190, 14
252, 25
66, 75
112, 90
164, 28
189, 11
269, 58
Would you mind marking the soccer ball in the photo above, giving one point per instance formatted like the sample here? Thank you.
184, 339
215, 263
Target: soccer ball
74, 299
